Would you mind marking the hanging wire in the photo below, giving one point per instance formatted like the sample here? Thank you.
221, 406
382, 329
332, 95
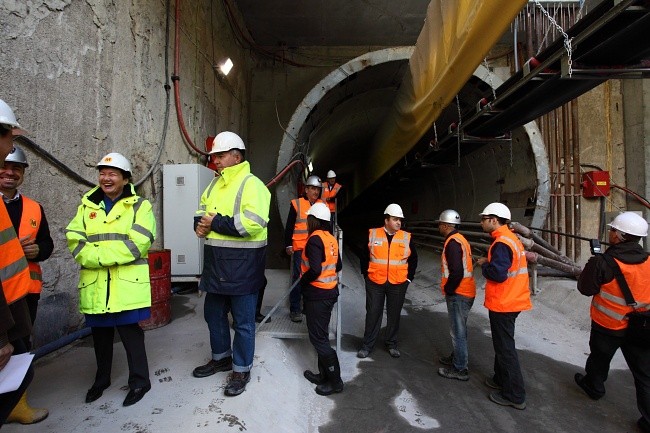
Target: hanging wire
435, 144
489, 76
458, 129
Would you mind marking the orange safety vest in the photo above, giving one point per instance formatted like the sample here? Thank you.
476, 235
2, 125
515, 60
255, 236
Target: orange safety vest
30, 222
300, 232
327, 193
513, 294
327, 279
388, 262
14, 272
467, 285
608, 307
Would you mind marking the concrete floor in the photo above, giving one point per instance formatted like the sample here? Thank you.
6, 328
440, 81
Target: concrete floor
381, 394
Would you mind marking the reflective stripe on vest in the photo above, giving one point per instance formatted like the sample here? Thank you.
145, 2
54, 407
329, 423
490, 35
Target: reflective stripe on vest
609, 308
327, 279
513, 294
388, 262
30, 222
14, 270
467, 286
300, 232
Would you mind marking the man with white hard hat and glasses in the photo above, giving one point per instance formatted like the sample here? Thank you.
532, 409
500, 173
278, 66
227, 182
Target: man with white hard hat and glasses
507, 293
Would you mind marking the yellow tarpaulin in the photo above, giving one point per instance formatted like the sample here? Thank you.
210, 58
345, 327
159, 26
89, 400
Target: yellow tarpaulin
455, 38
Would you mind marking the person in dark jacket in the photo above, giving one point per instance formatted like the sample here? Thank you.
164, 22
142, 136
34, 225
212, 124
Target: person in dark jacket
609, 309
319, 282
232, 219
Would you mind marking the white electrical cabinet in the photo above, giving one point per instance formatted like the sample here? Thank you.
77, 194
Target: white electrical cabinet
183, 185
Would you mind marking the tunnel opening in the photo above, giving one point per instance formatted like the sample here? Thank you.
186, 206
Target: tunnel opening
336, 122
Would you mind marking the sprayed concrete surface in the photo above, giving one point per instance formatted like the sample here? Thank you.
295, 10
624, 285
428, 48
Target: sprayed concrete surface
381, 394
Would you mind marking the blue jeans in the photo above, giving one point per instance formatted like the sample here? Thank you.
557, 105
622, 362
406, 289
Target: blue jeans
458, 307
295, 295
242, 309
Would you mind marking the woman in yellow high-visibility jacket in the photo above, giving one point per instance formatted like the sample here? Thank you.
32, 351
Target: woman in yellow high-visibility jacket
110, 237
319, 282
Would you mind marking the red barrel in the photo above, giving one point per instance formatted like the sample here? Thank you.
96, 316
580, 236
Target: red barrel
161, 289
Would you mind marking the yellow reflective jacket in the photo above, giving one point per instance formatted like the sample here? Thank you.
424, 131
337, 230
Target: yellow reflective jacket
112, 251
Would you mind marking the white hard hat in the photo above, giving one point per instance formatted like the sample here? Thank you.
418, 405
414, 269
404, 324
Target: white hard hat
116, 160
331, 174
320, 211
394, 210
498, 209
18, 156
314, 181
7, 116
630, 223
449, 216
225, 141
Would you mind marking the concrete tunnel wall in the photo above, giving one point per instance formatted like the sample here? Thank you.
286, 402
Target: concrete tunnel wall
493, 173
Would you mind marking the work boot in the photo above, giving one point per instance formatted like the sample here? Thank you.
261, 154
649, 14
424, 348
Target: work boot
237, 383
213, 367
333, 373
394, 352
363, 353
319, 378
295, 316
498, 398
24, 414
452, 373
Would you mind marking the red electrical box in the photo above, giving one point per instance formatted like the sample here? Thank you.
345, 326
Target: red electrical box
595, 184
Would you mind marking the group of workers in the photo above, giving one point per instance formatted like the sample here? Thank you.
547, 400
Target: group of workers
114, 228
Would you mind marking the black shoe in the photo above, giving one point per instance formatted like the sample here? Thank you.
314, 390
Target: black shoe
259, 317
295, 316
95, 392
580, 380
237, 383
212, 367
500, 399
135, 395
394, 352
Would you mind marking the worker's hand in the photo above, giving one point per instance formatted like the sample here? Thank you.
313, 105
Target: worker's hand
289, 251
203, 227
481, 260
5, 354
30, 247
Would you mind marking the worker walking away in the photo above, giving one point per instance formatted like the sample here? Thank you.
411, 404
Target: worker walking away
295, 238
624, 263
459, 288
28, 219
507, 293
319, 282
109, 238
390, 262
15, 324
232, 219
330, 194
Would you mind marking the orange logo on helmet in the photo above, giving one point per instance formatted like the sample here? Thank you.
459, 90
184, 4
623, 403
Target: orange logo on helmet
32, 222
108, 159
92, 215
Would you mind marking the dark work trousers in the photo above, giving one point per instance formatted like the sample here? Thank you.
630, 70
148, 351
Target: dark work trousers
318, 314
296, 293
9, 400
32, 305
507, 371
132, 337
394, 295
603, 347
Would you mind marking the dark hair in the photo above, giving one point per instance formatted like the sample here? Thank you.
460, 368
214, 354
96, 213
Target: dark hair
314, 224
630, 238
125, 174
4, 129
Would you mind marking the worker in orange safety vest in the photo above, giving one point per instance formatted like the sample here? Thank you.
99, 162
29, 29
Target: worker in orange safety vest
330, 194
507, 293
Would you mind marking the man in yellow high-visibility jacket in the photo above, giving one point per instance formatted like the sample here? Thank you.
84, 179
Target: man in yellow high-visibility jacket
233, 220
